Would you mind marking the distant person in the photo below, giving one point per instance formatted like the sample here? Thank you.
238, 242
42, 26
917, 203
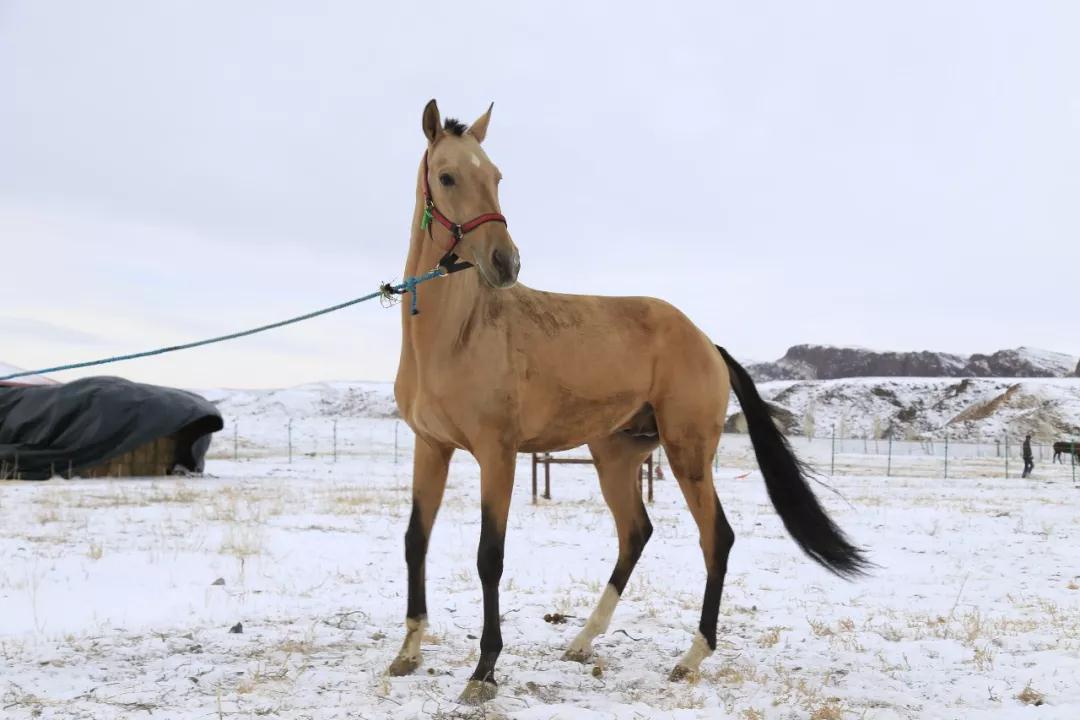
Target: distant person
1029, 459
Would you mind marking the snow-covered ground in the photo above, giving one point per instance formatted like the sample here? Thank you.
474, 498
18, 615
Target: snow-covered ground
110, 605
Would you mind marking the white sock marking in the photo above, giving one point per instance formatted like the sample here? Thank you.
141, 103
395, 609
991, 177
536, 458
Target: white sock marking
699, 650
414, 634
598, 622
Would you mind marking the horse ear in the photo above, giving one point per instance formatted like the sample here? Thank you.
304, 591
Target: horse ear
479, 128
432, 123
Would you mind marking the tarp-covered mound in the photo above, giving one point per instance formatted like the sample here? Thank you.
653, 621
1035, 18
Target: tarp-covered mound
87, 422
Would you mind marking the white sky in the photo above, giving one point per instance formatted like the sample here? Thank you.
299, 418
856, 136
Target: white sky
896, 175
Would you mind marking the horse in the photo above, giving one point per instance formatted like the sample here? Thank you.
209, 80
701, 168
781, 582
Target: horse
1066, 448
495, 368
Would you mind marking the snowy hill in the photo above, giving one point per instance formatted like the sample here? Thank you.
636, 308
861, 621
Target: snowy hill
968, 408
827, 362
321, 399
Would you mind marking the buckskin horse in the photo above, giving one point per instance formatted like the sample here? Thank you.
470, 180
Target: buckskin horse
495, 368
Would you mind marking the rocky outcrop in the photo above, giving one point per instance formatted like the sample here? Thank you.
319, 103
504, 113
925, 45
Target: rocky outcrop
826, 362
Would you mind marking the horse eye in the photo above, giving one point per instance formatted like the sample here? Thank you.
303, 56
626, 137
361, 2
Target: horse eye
446, 180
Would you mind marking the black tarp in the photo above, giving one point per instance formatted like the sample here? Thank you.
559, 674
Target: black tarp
87, 422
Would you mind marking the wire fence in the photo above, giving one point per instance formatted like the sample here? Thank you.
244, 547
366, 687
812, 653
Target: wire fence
331, 439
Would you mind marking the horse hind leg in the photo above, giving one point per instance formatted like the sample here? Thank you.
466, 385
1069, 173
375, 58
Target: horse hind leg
618, 459
689, 458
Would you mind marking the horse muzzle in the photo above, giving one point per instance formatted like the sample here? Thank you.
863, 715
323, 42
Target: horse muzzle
501, 268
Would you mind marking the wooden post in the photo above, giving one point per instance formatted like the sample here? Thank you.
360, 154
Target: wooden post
547, 476
534, 478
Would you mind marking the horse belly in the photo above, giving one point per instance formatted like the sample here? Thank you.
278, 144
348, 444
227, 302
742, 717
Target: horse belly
571, 420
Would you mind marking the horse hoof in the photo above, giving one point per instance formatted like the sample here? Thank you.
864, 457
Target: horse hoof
403, 665
578, 655
680, 673
478, 692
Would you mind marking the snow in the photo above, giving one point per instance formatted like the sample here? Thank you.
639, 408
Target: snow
109, 608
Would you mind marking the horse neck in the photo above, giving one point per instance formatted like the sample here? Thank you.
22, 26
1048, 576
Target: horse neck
444, 303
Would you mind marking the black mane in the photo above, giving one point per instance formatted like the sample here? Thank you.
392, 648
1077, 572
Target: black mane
454, 126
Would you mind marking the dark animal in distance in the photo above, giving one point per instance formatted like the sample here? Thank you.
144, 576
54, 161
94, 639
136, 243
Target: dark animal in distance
1067, 448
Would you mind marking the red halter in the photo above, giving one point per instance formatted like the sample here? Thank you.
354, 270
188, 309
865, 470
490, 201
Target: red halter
457, 231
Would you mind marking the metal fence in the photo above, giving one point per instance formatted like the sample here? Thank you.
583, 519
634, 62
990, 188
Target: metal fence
945, 457
332, 438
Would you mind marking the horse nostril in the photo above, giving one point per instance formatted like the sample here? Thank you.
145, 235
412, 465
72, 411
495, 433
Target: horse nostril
505, 264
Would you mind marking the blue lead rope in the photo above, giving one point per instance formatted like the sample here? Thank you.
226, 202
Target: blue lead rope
408, 285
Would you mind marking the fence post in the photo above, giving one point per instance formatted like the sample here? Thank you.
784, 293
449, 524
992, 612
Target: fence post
832, 460
547, 476
888, 465
290, 440
235, 440
1073, 458
534, 478
946, 456
335, 440
1006, 456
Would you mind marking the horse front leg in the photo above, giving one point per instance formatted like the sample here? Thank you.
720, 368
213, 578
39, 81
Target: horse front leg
496, 487
431, 464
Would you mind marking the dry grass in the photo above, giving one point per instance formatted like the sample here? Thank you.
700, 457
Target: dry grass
770, 637
829, 710
242, 542
47, 515
1031, 696
984, 658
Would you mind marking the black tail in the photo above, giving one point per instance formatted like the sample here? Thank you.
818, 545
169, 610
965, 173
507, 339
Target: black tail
785, 479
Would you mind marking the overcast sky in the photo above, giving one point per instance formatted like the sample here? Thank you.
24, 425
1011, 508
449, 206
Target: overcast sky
897, 175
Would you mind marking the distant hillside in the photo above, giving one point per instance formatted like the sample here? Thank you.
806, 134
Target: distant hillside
969, 408
322, 399
826, 362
